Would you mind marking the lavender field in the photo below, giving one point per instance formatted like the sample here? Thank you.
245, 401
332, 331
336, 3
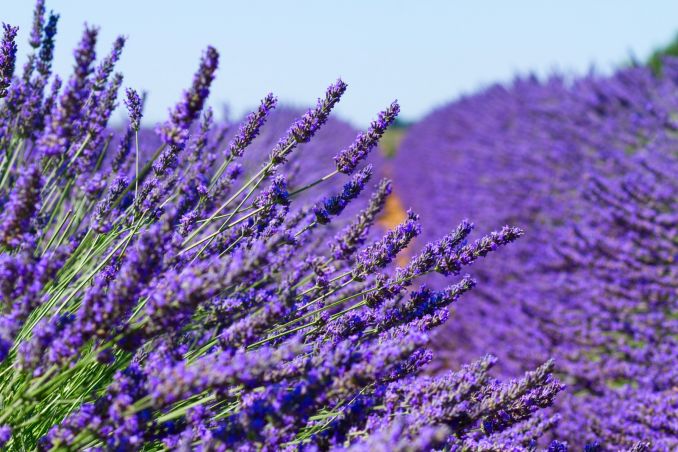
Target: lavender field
500, 275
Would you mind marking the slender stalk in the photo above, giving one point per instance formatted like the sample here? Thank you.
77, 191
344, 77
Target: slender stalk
259, 176
136, 163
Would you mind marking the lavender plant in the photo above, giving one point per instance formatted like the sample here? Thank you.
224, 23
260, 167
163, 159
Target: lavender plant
179, 302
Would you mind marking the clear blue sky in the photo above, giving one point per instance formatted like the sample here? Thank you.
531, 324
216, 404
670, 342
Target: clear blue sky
424, 53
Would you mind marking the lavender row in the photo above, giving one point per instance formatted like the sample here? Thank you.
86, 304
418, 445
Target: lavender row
587, 167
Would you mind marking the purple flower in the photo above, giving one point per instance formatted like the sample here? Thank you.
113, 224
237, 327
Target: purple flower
306, 126
94, 124
105, 68
381, 253
8, 50
19, 212
38, 22
123, 151
46, 54
250, 129
174, 132
335, 205
348, 159
354, 235
66, 115
134, 107
5, 435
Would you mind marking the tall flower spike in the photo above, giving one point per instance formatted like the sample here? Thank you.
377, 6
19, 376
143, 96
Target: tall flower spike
21, 207
306, 126
51, 98
346, 242
95, 121
84, 58
38, 23
65, 115
250, 129
175, 131
382, 252
349, 158
8, 50
44, 64
105, 68
335, 204
124, 146
422, 302
133, 104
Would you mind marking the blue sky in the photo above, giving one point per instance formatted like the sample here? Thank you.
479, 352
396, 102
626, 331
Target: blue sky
424, 53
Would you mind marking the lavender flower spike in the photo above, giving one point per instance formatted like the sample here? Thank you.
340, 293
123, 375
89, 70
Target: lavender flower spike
306, 126
38, 23
44, 64
133, 104
354, 235
105, 68
250, 129
8, 50
175, 131
382, 252
348, 159
335, 204
61, 125
19, 211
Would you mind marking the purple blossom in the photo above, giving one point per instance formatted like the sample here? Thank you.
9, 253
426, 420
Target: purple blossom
20, 210
354, 235
105, 68
38, 23
134, 107
306, 126
66, 115
335, 205
250, 128
46, 54
174, 132
348, 159
381, 253
94, 123
8, 49
5, 435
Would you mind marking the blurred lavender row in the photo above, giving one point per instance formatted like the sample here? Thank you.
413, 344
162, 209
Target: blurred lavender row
588, 168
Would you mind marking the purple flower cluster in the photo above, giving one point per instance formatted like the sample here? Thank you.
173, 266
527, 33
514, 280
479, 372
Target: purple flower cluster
133, 103
348, 159
250, 128
587, 167
65, 117
174, 132
205, 295
305, 127
8, 49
